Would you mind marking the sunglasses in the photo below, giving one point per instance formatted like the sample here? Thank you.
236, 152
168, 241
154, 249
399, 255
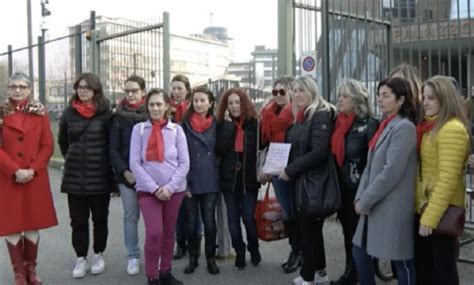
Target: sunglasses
276, 92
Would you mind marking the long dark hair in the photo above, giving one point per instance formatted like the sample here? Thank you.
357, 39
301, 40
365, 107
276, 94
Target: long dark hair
94, 83
210, 97
401, 87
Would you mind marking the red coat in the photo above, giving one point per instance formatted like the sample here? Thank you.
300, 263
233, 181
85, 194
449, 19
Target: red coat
27, 143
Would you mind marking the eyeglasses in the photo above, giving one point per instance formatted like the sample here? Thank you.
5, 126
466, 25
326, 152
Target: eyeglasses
275, 92
83, 88
133, 91
15, 87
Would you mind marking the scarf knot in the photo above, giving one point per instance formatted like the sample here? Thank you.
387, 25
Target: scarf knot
87, 110
179, 109
199, 123
275, 121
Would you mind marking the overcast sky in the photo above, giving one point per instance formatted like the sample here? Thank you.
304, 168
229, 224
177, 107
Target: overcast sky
249, 22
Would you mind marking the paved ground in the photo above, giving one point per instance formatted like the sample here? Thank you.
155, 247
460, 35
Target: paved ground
57, 256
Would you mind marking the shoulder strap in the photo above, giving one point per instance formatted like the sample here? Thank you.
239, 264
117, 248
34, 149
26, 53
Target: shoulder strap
83, 130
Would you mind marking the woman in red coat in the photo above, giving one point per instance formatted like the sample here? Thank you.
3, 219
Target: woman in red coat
26, 206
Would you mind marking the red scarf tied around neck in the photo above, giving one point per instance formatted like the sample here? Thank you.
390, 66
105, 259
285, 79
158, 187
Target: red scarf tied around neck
155, 150
133, 106
19, 105
338, 140
87, 110
422, 128
239, 135
180, 109
274, 124
383, 125
199, 123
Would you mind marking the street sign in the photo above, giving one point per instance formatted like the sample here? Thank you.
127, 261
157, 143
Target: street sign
308, 63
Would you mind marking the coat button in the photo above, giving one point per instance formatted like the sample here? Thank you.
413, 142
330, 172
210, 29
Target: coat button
20, 139
20, 154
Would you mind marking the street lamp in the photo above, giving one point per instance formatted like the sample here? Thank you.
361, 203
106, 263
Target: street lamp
45, 12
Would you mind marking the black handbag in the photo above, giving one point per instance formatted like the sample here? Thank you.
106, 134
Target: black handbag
317, 192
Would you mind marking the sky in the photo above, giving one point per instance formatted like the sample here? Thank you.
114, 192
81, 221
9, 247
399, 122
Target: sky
249, 22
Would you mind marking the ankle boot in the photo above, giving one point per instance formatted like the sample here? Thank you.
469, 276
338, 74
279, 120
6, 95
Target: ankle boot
212, 266
240, 261
17, 259
349, 277
255, 257
193, 263
180, 250
31, 254
293, 262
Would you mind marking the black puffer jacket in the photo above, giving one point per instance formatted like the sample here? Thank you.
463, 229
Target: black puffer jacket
120, 135
356, 149
315, 156
87, 167
229, 159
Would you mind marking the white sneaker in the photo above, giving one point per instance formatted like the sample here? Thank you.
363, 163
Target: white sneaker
97, 264
81, 268
298, 280
133, 267
320, 277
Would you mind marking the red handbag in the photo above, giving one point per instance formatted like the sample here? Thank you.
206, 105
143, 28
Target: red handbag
269, 218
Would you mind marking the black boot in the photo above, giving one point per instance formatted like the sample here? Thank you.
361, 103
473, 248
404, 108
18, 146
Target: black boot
180, 250
293, 262
212, 266
240, 261
168, 279
255, 257
349, 277
193, 263
153, 281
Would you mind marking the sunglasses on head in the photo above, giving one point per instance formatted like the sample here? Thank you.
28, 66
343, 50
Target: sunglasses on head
275, 92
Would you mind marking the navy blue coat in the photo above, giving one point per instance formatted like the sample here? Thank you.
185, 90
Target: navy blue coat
203, 176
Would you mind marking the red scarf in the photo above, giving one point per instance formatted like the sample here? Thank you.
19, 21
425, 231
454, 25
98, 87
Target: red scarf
421, 128
383, 125
133, 106
199, 123
19, 105
87, 110
275, 125
343, 125
155, 150
239, 135
180, 109
300, 115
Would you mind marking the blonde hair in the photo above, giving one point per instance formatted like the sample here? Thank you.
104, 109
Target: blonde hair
359, 95
450, 101
412, 75
308, 84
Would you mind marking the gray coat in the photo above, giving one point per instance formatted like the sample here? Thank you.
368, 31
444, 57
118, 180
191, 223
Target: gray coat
387, 191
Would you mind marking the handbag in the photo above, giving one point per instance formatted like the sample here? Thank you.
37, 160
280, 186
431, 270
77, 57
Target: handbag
452, 222
317, 192
269, 218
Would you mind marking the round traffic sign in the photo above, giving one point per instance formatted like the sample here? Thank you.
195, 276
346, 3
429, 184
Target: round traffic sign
309, 63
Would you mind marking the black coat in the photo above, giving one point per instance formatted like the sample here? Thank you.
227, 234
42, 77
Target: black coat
356, 149
229, 159
318, 136
120, 135
87, 167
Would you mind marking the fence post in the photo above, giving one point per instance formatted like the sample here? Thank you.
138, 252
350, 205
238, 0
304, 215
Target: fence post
78, 50
285, 37
94, 53
10, 61
325, 69
166, 52
41, 71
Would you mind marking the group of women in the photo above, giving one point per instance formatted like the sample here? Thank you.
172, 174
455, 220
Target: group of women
170, 157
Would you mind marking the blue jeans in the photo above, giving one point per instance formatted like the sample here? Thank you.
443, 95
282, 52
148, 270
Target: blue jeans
240, 205
283, 195
131, 215
365, 267
204, 204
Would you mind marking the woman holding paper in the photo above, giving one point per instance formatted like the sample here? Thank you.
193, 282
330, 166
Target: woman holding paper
313, 122
237, 149
349, 143
443, 147
276, 118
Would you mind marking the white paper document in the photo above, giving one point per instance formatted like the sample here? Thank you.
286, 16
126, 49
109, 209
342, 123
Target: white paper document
277, 158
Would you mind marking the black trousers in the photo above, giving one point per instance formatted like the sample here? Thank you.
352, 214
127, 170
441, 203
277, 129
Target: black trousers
312, 246
435, 259
349, 219
80, 208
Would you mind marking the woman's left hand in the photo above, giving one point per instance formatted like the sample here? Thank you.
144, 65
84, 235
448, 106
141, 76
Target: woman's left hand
164, 194
425, 231
283, 176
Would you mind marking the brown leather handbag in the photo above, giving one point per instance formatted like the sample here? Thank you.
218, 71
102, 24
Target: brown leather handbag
452, 222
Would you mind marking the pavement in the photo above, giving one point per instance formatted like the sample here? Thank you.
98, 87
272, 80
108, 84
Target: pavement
57, 258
